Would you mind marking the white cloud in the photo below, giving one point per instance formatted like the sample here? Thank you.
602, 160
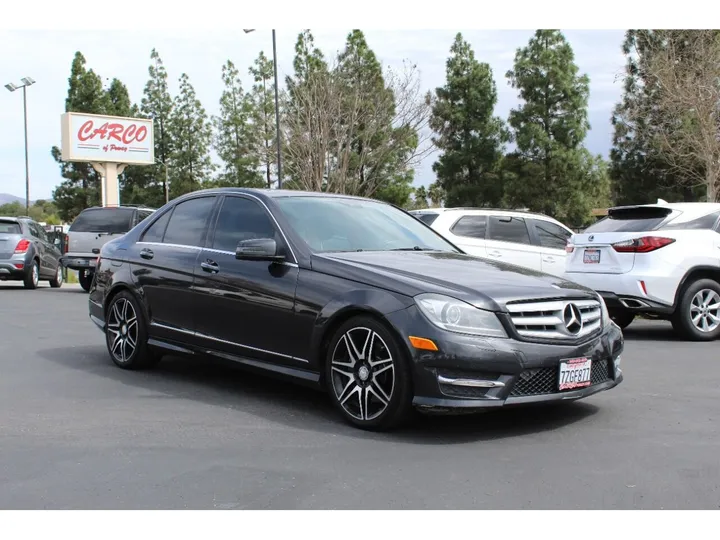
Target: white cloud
47, 55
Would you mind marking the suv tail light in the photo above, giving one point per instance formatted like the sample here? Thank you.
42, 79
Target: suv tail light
642, 245
67, 243
22, 246
569, 247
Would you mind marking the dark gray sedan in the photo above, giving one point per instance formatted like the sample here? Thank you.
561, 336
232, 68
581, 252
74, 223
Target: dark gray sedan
26, 253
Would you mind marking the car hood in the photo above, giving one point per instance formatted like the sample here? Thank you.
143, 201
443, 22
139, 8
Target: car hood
481, 282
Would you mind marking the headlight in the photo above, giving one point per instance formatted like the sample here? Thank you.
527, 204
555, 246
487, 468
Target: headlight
459, 317
604, 314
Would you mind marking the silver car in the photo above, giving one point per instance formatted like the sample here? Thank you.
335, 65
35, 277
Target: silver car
26, 253
92, 228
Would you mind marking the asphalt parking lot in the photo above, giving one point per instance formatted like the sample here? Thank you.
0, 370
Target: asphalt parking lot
78, 433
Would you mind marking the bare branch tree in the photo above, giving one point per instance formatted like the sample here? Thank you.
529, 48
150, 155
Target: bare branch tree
332, 131
683, 116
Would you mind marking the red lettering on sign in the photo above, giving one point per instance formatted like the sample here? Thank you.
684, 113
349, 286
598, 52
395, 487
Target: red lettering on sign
132, 133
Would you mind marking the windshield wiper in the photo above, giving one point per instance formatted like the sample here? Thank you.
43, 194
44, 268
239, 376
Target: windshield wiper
414, 248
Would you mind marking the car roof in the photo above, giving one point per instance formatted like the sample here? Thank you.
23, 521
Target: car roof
480, 209
687, 210
279, 193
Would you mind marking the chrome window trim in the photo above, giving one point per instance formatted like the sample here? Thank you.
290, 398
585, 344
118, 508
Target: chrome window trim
233, 343
196, 248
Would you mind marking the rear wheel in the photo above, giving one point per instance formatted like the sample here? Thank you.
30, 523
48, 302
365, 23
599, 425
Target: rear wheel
126, 334
368, 376
622, 318
32, 277
85, 278
697, 316
57, 281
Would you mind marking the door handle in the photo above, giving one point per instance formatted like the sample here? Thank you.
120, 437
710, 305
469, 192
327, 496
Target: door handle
210, 266
548, 259
495, 254
147, 253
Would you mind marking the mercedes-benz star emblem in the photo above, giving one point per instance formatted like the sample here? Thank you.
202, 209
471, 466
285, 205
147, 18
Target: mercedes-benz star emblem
573, 319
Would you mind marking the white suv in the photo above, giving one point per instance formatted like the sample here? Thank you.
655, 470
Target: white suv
526, 239
657, 259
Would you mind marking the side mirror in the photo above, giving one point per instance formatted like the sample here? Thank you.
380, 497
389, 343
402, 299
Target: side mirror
258, 249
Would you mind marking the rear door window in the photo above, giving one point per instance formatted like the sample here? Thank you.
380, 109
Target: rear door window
635, 219
103, 220
509, 229
703, 223
189, 222
10, 227
471, 227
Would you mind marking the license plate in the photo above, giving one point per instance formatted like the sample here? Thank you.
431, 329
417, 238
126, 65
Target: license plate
591, 256
575, 373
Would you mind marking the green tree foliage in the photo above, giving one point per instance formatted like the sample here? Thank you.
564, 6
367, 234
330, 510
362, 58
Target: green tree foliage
41, 211
81, 186
262, 103
191, 133
551, 171
157, 103
234, 134
471, 139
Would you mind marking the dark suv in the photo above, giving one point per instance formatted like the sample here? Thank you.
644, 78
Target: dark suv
91, 230
26, 253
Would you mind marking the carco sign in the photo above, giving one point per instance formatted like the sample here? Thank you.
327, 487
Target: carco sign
107, 139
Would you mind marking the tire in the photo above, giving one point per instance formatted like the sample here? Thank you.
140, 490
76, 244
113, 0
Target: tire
57, 281
695, 300
32, 277
622, 318
368, 377
126, 334
85, 278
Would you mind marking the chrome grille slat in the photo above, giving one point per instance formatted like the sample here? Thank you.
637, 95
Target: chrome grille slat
544, 320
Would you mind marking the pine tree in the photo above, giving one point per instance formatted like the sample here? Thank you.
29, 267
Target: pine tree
471, 139
234, 135
157, 103
551, 171
262, 101
81, 187
191, 140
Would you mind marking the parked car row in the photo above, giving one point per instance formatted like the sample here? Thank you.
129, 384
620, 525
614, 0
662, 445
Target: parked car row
655, 260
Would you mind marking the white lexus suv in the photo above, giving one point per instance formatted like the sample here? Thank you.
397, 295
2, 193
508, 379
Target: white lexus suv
661, 260
534, 241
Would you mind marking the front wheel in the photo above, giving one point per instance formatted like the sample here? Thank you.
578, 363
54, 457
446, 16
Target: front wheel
126, 334
697, 316
368, 376
85, 278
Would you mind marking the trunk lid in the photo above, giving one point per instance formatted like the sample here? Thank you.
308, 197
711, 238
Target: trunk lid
593, 251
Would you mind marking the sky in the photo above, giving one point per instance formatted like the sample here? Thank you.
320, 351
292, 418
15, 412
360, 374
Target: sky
46, 56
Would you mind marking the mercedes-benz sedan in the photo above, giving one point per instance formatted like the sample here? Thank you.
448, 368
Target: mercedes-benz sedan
351, 295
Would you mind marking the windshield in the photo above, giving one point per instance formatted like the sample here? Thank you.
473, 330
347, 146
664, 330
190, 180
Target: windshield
103, 220
339, 224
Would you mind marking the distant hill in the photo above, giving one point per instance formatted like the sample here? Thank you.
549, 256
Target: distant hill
6, 198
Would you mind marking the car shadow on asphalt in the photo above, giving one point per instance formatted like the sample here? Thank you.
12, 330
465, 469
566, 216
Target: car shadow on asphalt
43, 288
227, 385
650, 331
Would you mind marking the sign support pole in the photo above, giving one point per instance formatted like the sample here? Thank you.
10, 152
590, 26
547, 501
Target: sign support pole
109, 173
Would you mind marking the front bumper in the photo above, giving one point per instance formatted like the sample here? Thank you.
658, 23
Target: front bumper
478, 373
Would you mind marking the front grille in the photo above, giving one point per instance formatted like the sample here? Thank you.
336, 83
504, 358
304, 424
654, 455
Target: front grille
535, 382
547, 320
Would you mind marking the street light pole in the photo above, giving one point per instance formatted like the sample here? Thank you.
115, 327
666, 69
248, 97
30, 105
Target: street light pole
277, 108
26, 81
